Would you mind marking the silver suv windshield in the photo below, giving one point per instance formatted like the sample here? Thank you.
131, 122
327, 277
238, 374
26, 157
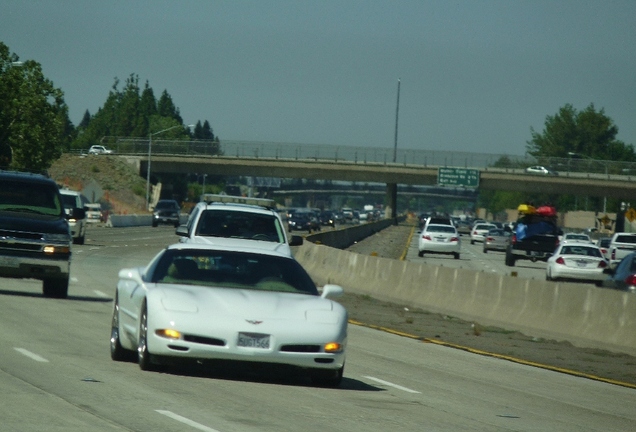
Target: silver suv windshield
236, 224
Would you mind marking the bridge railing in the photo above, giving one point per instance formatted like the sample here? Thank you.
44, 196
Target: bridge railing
364, 155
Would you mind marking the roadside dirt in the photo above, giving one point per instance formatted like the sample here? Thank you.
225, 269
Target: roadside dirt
114, 180
471, 336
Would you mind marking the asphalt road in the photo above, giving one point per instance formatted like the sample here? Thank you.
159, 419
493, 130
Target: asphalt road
56, 374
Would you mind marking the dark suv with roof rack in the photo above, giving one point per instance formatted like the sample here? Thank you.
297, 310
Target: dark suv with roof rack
35, 240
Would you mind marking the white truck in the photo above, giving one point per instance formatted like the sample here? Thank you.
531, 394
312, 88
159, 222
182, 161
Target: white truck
621, 245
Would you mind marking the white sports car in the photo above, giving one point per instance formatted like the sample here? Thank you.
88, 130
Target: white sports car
203, 302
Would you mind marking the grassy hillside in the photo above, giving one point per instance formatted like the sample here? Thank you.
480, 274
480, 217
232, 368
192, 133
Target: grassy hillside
124, 190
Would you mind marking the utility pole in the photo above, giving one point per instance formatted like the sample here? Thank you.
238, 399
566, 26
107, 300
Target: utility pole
397, 112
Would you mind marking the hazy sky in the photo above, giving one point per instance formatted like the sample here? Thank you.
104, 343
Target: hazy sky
475, 75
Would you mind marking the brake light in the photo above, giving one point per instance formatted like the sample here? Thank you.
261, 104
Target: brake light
490, 239
603, 251
630, 280
513, 239
427, 237
454, 239
613, 254
602, 264
560, 260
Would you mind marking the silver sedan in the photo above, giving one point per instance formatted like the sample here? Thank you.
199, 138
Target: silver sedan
496, 240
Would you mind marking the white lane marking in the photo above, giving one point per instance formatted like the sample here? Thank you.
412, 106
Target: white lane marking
399, 387
101, 294
31, 355
186, 421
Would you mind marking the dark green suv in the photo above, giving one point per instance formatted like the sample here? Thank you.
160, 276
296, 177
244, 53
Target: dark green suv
35, 240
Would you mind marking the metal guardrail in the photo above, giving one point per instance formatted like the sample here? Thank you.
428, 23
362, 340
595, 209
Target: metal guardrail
363, 155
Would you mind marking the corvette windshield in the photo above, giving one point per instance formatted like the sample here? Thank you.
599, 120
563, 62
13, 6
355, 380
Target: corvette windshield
229, 269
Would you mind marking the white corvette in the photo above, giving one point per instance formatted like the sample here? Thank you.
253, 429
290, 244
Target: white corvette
205, 302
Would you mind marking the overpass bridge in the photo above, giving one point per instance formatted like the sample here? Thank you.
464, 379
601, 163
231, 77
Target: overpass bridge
583, 177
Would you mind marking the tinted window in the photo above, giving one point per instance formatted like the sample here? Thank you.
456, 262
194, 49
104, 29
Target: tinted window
440, 228
35, 197
232, 270
625, 239
234, 224
581, 250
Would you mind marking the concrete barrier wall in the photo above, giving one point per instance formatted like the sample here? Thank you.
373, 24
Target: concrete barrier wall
582, 314
120, 221
345, 237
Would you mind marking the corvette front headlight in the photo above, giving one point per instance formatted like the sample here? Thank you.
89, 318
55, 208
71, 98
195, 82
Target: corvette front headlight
334, 347
168, 333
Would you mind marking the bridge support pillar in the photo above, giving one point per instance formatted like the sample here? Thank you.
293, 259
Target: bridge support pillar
391, 200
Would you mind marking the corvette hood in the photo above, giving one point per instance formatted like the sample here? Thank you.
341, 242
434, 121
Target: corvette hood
242, 302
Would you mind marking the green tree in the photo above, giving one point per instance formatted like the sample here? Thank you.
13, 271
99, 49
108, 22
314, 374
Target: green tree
34, 123
588, 132
167, 108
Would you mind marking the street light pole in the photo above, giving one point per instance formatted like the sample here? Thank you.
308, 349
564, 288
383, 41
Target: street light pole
150, 135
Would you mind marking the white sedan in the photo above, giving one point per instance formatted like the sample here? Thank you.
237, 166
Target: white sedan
201, 302
99, 149
577, 261
576, 238
438, 238
479, 232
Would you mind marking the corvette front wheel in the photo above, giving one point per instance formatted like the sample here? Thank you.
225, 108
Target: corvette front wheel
327, 377
143, 356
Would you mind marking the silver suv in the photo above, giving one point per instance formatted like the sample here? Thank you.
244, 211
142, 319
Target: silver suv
220, 217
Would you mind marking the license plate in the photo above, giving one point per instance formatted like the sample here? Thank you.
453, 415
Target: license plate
253, 340
440, 239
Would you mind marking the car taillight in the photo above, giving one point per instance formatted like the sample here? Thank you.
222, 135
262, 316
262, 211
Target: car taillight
490, 239
513, 239
427, 237
454, 239
603, 251
630, 280
560, 260
602, 264
613, 254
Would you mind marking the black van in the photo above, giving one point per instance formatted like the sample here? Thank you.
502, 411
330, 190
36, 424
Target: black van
35, 240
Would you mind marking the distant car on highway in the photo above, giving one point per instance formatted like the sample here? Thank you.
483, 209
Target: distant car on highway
604, 244
98, 150
166, 211
496, 240
624, 276
225, 217
439, 238
538, 169
620, 246
479, 231
576, 238
577, 261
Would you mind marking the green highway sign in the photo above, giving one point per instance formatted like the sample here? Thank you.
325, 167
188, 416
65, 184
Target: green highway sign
458, 177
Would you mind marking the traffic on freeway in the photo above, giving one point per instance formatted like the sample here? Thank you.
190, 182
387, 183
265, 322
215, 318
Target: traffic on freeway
57, 373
